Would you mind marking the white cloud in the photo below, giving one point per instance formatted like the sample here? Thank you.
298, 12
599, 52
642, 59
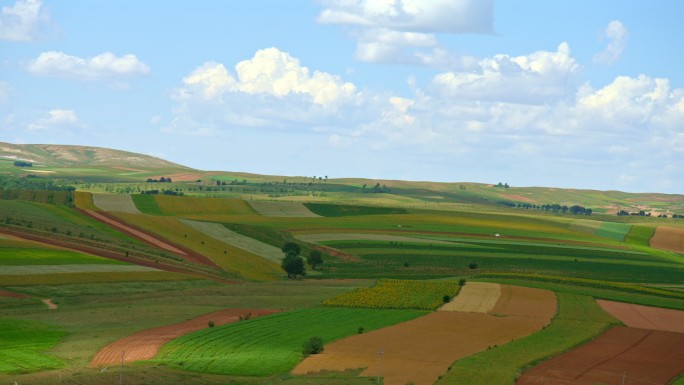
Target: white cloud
537, 77
402, 31
105, 66
616, 34
270, 72
56, 119
23, 21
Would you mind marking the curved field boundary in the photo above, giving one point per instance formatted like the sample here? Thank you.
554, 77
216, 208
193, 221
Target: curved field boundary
645, 317
115, 202
224, 234
420, 350
323, 237
135, 232
668, 238
80, 268
475, 297
282, 209
145, 344
639, 356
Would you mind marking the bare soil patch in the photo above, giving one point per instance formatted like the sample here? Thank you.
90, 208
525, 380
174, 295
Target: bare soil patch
420, 350
668, 238
145, 344
49, 303
517, 198
337, 253
645, 317
183, 177
475, 297
11, 294
642, 356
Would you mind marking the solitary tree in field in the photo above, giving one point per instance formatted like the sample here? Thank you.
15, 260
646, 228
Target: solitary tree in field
315, 258
291, 248
293, 265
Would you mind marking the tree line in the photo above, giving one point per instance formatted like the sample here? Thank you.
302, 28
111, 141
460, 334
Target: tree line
555, 208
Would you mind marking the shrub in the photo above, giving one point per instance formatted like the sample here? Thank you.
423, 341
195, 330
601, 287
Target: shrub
462, 282
361, 329
313, 345
446, 298
472, 266
211, 324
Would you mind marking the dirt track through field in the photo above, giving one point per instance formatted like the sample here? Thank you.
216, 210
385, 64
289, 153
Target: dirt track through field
475, 297
145, 344
645, 317
668, 238
639, 356
49, 303
420, 350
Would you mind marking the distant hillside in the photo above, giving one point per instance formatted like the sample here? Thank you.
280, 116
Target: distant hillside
50, 155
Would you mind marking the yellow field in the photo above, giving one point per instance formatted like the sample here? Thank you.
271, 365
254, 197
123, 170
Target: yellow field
84, 200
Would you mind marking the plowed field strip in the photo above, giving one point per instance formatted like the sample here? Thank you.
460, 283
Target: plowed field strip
645, 317
476, 297
12, 294
420, 350
639, 356
145, 344
135, 232
668, 238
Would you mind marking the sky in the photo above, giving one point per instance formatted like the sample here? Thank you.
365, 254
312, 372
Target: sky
574, 94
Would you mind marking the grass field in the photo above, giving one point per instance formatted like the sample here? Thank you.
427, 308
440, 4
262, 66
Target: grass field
332, 210
115, 202
23, 346
640, 235
578, 320
271, 344
28, 256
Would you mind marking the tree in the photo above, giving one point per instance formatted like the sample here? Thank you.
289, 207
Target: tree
313, 345
291, 248
293, 265
315, 258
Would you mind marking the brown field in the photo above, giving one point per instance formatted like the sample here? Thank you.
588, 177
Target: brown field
620, 356
420, 350
668, 238
145, 344
645, 317
475, 297
11, 294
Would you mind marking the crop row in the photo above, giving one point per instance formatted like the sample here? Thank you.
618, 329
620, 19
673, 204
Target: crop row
398, 294
623, 286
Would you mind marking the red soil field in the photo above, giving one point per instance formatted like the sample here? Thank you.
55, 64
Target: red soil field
635, 356
145, 344
645, 317
668, 238
420, 350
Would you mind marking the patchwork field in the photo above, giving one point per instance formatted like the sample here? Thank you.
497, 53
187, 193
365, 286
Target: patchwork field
145, 344
122, 203
282, 209
421, 350
645, 317
621, 355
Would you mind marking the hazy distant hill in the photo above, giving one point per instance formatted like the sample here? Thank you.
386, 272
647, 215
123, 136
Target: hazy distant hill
65, 156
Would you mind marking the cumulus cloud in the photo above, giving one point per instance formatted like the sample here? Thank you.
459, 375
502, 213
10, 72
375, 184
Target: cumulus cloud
23, 21
402, 31
537, 77
105, 66
616, 34
270, 72
57, 118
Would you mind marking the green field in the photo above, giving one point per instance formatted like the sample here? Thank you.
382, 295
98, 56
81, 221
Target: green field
271, 344
18, 256
23, 346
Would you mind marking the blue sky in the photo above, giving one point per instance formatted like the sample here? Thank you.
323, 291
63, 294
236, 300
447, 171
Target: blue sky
580, 94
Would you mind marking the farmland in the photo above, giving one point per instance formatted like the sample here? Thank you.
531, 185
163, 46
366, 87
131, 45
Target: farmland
130, 262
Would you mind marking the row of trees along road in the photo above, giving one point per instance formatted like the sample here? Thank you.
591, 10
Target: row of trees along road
293, 263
